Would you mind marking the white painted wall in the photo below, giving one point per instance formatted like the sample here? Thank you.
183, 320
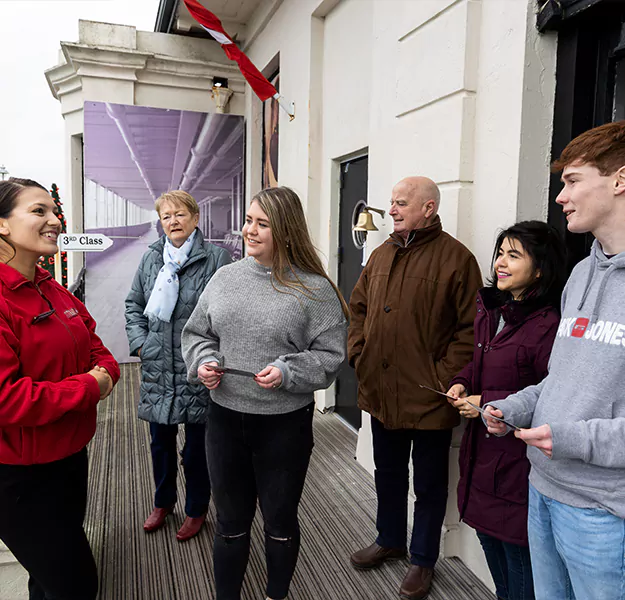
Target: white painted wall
289, 34
514, 113
345, 114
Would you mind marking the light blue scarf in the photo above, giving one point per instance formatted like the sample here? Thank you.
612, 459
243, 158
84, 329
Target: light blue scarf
165, 293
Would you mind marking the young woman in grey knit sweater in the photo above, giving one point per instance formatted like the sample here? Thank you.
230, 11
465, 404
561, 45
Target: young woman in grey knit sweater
277, 315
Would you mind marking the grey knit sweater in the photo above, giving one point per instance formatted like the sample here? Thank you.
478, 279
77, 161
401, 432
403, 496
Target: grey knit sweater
242, 321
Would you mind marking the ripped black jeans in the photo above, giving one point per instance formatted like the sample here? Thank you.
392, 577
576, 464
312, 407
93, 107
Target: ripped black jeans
252, 457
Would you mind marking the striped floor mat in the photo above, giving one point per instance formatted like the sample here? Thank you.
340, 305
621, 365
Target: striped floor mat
337, 516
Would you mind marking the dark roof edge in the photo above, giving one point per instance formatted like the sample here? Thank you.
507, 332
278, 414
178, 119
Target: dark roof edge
165, 16
551, 13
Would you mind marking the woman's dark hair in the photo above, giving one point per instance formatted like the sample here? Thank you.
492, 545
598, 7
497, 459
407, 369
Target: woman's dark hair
544, 245
10, 190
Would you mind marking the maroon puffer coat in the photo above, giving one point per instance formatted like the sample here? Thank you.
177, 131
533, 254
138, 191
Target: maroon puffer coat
493, 487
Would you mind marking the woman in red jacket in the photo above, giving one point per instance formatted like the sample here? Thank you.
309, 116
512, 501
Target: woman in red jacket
515, 326
53, 372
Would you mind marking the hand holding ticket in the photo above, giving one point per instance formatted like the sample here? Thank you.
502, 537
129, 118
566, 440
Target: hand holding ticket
208, 375
495, 423
231, 371
487, 415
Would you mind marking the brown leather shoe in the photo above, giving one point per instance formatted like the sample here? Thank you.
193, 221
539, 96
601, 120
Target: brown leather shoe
190, 528
373, 556
416, 584
157, 519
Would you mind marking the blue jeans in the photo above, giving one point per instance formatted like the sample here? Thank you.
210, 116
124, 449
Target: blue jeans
392, 450
510, 567
577, 553
165, 467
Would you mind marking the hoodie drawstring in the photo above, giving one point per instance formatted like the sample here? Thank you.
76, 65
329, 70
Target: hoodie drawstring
618, 263
591, 274
604, 282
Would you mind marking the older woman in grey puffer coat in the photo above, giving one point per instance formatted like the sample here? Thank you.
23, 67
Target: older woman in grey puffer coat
170, 279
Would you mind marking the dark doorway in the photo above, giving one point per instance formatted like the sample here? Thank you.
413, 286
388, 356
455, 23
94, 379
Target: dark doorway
590, 91
354, 177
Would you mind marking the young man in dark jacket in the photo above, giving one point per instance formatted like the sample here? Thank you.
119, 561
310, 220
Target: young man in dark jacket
574, 420
412, 314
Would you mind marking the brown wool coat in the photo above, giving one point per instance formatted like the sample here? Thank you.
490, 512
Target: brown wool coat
412, 314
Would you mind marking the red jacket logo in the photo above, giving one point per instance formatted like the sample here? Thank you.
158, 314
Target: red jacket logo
579, 327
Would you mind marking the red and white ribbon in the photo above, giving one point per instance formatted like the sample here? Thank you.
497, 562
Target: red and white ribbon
258, 82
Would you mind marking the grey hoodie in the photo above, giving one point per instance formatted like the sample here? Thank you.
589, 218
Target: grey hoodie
583, 396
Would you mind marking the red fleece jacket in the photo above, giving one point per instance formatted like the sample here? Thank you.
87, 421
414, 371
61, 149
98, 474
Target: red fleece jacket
47, 399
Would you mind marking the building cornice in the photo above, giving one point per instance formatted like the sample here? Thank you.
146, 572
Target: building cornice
61, 78
123, 63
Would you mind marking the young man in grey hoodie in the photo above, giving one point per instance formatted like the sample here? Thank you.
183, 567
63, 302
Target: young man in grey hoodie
574, 420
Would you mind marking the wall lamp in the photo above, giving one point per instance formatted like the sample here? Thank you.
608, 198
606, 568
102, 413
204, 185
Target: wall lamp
221, 94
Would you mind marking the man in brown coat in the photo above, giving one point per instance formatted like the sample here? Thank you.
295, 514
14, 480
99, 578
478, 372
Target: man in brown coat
412, 314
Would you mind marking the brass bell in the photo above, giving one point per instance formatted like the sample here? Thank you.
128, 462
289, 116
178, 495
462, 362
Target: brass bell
365, 222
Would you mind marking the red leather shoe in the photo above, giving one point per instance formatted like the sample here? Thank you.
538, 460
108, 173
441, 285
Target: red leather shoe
157, 519
190, 528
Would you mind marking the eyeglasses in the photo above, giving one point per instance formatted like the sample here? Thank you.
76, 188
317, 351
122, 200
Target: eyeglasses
44, 315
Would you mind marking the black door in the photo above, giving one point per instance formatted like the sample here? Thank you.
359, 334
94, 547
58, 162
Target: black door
354, 176
590, 91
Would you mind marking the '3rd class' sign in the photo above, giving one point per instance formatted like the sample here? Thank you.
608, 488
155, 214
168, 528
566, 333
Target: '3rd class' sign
84, 242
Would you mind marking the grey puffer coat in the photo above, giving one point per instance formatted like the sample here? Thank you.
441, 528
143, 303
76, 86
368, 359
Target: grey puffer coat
166, 396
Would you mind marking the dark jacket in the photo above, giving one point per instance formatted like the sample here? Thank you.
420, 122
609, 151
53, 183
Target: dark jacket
48, 401
166, 395
494, 471
412, 314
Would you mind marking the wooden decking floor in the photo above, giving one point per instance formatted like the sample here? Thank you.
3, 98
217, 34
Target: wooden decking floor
337, 516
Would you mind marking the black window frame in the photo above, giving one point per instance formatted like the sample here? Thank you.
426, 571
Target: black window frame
590, 68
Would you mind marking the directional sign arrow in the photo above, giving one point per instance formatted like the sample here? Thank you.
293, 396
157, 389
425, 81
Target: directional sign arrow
84, 242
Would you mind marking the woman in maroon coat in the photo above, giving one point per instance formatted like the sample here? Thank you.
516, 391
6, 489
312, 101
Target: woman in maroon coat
516, 323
